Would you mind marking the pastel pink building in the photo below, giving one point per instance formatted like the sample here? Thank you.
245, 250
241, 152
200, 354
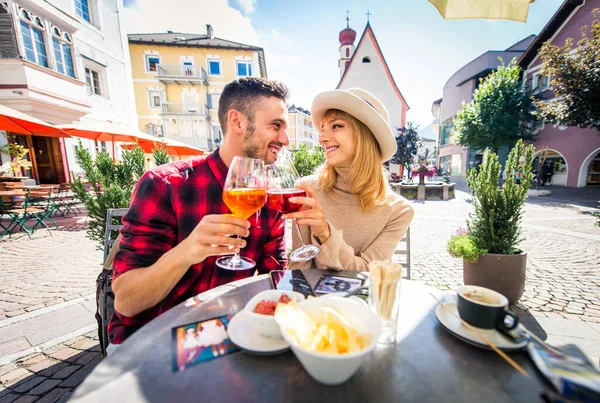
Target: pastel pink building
575, 152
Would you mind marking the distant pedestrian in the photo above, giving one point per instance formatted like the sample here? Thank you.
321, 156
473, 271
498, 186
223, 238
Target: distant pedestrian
549, 172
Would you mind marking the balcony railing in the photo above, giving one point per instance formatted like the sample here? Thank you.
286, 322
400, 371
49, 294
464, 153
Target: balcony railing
179, 71
184, 108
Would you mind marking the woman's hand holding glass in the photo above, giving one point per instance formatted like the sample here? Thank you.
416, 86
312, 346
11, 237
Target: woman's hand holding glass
310, 214
282, 195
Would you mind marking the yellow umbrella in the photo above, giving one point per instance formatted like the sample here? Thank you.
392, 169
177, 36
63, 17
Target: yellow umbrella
515, 10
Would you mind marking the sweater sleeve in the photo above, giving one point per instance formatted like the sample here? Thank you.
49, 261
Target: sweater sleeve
338, 255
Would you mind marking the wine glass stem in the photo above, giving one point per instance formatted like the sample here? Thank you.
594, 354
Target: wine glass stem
299, 232
235, 260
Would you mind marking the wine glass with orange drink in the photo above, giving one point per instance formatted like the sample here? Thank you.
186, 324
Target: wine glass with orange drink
282, 177
245, 193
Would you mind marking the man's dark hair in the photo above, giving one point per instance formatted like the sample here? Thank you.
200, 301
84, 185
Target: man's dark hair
245, 93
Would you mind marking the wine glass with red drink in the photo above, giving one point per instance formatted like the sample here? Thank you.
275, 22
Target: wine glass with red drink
282, 177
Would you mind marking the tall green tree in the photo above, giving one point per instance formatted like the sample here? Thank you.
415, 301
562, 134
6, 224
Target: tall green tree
499, 114
307, 159
408, 143
575, 79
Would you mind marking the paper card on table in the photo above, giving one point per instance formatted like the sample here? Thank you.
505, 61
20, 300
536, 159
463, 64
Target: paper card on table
200, 341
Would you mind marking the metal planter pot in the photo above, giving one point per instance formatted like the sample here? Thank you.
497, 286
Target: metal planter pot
502, 273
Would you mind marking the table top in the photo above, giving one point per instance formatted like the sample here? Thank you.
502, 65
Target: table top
16, 192
427, 363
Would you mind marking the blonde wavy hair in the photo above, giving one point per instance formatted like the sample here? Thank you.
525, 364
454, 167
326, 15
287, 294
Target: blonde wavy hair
369, 177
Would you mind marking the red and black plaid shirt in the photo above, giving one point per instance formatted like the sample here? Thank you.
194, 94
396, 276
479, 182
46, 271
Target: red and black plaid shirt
166, 206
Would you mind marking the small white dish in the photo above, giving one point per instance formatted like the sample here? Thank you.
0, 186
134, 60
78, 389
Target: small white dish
453, 325
247, 338
265, 324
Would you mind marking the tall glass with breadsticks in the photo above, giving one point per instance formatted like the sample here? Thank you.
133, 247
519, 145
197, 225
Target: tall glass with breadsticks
384, 297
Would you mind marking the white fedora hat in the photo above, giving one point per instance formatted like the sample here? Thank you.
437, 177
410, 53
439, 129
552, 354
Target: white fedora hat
365, 107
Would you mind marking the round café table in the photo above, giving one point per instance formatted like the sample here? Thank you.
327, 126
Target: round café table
427, 363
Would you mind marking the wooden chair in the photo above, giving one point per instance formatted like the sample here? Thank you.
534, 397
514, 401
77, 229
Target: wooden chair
105, 298
404, 251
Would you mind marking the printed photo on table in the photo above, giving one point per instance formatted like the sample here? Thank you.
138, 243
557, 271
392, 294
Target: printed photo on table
200, 341
331, 284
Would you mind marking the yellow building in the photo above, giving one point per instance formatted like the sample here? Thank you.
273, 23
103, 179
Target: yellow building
178, 79
300, 129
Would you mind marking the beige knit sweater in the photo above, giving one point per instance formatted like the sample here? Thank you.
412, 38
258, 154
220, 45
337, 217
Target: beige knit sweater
357, 238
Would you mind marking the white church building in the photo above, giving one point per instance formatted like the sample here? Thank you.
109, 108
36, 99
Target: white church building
365, 67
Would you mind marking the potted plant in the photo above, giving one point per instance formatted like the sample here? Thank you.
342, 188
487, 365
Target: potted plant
422, 171
489, 247
17, 154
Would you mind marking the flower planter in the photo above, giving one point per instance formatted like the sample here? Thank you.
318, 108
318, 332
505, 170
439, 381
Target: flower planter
502, 273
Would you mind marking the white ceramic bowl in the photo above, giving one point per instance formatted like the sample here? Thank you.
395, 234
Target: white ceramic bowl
265, 324
335, 369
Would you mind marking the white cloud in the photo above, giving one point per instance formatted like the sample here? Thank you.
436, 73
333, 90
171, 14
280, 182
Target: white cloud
192, 17
279, 37
247, 5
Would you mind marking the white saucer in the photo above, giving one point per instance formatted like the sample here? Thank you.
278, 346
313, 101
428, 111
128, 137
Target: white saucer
456, 328
246, 338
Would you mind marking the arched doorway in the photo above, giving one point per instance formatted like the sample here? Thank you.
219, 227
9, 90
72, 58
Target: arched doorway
589, 174
558, 162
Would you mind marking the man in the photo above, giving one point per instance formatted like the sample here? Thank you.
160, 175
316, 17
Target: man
178, 224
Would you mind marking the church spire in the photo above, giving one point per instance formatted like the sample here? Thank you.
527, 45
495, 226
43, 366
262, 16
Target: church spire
347, 37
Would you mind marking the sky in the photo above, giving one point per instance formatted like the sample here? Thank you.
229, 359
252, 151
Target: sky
300, 38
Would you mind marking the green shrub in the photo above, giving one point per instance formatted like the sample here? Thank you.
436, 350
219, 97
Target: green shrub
160, 154
495, 225
112, 184
307, 159
464, 247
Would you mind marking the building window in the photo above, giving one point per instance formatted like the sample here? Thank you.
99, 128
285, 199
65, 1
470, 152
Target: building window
213, 101
244, 69
154, 99
214, 67
347, 52
100, 146
62, 52
92, 78
154, 130
152, 62
82, 9
32, 30
446, 132
366, 59
540, 83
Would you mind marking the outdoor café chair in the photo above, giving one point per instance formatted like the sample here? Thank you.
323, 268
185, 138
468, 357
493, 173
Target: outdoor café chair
19, 213
404, 251
105, 298
42, 199
66, 201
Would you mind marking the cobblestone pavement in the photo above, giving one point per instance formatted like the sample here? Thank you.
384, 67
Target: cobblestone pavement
563, 254
562, 243
48, 269
51, 375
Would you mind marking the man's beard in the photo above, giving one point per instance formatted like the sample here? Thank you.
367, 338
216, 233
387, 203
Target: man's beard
251, 149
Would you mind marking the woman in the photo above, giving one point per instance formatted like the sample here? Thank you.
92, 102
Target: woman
351, 211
